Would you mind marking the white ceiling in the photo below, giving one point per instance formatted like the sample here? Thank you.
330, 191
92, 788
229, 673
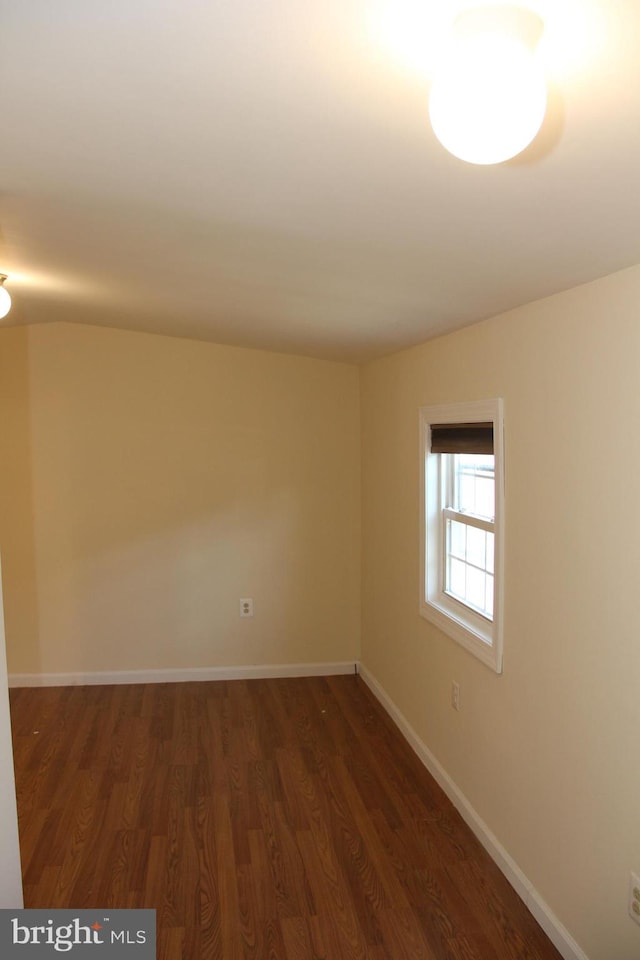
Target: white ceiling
262, 172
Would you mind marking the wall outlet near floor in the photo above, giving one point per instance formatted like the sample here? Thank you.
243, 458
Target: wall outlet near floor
455, 695
246, 606
634, 897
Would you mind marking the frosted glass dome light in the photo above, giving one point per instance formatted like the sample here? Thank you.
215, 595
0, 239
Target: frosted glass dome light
5, 299
488, 99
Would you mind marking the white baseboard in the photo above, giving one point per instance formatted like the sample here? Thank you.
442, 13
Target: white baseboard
557, 933
253, 672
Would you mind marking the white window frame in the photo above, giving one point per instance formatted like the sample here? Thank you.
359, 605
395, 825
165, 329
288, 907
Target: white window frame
477, 634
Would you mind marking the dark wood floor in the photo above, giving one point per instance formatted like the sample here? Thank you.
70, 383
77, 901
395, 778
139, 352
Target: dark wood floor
282, 819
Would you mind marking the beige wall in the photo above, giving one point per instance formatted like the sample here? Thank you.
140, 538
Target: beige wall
17, 544
549, 753
151, 482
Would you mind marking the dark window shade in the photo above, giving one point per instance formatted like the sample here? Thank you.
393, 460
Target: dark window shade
462, 438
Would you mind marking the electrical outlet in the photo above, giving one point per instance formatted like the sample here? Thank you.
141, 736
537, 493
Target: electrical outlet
246, 606
634, 897
455, 695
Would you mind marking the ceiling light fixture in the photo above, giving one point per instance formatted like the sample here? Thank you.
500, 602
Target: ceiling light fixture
5, 299
489, 97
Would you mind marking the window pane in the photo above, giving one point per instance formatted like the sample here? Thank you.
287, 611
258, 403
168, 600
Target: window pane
458, 539
485, 498
469, 566
476, 547
475, 587
457, 578
473, 487
466, 488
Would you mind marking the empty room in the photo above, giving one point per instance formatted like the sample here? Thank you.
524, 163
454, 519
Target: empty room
319, 406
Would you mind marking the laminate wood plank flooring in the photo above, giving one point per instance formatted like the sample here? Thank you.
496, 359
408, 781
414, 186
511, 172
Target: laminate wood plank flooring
262, 819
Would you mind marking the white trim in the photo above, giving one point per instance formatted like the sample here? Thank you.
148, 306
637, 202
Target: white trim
557, 933
11, 896
182, 675
484, 639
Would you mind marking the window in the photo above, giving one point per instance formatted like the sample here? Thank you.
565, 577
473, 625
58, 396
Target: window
461, 526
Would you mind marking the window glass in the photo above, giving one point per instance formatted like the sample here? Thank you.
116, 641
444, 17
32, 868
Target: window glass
474, 484
470, 482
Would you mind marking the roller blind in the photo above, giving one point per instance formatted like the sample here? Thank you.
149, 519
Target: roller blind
462, 437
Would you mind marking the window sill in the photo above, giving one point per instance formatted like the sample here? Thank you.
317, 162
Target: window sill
469, 629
